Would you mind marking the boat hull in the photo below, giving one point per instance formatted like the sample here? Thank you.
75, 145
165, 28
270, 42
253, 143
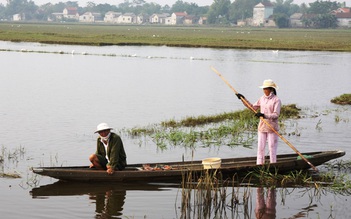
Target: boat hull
229, 168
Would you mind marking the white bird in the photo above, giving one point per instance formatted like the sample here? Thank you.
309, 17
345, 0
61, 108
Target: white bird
191, 58
72, 52
134, 55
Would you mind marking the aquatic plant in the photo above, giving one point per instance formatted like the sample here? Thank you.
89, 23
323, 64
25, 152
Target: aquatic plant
339, 166
10, 156
344, 99
32, 180
319, 125
231, 129
210, 196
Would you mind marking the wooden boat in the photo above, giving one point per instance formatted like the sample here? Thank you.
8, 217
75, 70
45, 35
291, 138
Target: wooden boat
174, 171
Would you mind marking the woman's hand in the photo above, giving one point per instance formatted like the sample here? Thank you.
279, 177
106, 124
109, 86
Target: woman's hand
259, 115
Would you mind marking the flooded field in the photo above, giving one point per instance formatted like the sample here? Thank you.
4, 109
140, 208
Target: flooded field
53, 96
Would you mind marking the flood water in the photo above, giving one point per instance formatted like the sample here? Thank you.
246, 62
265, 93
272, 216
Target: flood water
53, 96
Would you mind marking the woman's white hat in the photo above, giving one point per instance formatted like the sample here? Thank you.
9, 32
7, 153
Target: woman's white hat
102, 126
269, 83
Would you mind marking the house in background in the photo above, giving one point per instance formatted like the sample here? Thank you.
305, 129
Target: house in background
343, 15
296, 20
190, 20
67, 14
71, 13
158, 18
178, 18
344, 19
90, 17
142, 18
127, 18
18, 17
262, 15
112, 17
202, 20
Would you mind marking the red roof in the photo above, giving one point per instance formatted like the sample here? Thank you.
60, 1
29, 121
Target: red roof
343, 10
343, 15
72, 10
180, 13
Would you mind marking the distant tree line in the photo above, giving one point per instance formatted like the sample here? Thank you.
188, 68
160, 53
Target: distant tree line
220, 12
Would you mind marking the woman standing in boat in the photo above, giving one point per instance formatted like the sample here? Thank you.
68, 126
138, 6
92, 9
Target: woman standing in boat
110, 154
269, 105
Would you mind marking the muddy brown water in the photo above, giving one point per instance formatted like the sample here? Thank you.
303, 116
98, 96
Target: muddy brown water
53, 96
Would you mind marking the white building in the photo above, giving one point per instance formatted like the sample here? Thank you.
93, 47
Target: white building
71, 13
158, 18
127, 18
18, 17
142, 18
90, 17
178, 18
261, 14
112, 17
344, 19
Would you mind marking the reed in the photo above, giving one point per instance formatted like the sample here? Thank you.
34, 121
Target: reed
209, 195
8, 157
212, 197
339, 165
32, 180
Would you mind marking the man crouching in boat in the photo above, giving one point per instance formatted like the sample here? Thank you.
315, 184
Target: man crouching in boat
110, 154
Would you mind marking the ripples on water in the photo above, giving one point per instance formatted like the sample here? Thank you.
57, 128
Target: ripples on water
52, 101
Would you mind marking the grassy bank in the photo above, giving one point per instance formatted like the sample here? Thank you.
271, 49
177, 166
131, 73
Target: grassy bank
180, 36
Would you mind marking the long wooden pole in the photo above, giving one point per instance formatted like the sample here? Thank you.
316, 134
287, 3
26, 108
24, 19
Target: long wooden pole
265, 121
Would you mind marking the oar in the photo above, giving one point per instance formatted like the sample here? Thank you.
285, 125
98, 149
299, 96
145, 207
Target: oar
265, 121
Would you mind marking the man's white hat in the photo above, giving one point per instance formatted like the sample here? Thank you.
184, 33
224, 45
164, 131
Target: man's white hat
269, 83
102, 126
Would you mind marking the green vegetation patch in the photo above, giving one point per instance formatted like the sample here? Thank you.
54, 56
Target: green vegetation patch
179, 36
344, 99
231, 129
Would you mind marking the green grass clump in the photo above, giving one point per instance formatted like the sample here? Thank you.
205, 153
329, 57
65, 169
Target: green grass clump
230, 129
344, 99
204, 120
287, 112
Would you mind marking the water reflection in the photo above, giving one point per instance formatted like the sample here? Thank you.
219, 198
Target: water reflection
58, 95
109, 204
108, 199
265, 203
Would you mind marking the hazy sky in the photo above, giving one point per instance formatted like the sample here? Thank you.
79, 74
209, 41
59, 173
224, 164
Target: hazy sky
161, 2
